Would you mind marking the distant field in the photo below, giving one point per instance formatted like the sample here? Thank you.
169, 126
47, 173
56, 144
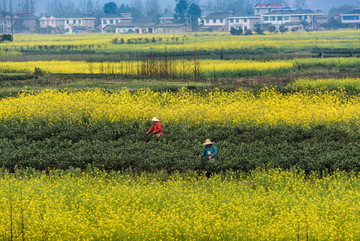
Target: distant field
177, 44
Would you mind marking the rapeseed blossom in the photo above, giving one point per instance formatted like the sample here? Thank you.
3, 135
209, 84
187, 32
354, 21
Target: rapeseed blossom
263, 205
269, 107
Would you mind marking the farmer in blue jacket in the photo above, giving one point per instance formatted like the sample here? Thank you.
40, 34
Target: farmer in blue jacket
210, 156
209, 151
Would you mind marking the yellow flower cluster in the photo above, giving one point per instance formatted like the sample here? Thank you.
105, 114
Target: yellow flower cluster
239, 107
272, 205
349, 84
205, 67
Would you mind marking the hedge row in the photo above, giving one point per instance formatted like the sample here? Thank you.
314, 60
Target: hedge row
119, 147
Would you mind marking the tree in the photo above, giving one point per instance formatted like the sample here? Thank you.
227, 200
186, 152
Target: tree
235, 31
333, 23
110, 8
248, 32
152, 9
6, 37
194, 14
300, 4
272, 28
342, 9
283, 29
180, 11
258, 30
89, 7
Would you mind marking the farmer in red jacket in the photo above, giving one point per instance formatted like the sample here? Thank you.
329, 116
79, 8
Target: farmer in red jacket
156, 128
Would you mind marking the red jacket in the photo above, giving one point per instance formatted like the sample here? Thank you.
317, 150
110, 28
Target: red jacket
157, 128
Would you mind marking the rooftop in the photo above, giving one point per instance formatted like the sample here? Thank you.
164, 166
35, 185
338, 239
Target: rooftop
268, 5
355, 11
293, 12
219, 15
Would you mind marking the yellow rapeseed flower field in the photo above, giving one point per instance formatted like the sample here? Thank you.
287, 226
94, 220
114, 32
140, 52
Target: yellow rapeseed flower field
186, 42
349, 84
178, 67
264, 205
269, 107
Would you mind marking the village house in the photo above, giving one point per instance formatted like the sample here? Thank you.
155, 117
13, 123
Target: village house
130, 28
109, 21
264, 8
351, 19
52, 24
217, 22
19, 23
167, 18
291, 18
79, 25
6, 24
243, 22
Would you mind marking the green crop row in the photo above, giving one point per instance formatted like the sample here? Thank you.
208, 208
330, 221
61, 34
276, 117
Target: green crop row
122, 147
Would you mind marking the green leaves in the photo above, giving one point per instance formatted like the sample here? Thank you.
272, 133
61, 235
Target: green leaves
117, 146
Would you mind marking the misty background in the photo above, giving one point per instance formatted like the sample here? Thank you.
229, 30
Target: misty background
46, 7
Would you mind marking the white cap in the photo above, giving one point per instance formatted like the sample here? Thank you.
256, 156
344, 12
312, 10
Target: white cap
155, 119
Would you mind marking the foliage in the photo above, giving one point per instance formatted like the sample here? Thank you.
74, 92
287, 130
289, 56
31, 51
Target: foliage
120, 146
235, 31
348, 84
110, 8
342, 9
6, 37
258, 30
97, 205
180, 10
194, 12
283, 29
248, 32
160, 67
100, 44
316, 131
333, 23
272, 29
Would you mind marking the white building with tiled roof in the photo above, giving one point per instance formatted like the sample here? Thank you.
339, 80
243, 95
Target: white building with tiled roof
291, 17
264, 8
351, 19
217, 21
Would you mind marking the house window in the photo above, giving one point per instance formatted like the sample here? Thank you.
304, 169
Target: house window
67, 21
266, 18
231, 20
349, 18
214, 20
221, 20
286, 18
245, 20
207, 20
111, 21
305, 17
79, 21
272, 18
237, 20
300, 18
104, 21
279, 18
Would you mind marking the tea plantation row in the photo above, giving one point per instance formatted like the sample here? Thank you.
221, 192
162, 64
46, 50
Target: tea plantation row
116, 146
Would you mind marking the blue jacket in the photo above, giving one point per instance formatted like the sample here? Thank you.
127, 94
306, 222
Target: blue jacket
209, 152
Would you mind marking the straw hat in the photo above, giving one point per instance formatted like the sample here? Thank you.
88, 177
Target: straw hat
208, 142
154, 119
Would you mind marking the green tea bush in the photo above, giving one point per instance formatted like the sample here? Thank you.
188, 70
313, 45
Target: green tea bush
115, 146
